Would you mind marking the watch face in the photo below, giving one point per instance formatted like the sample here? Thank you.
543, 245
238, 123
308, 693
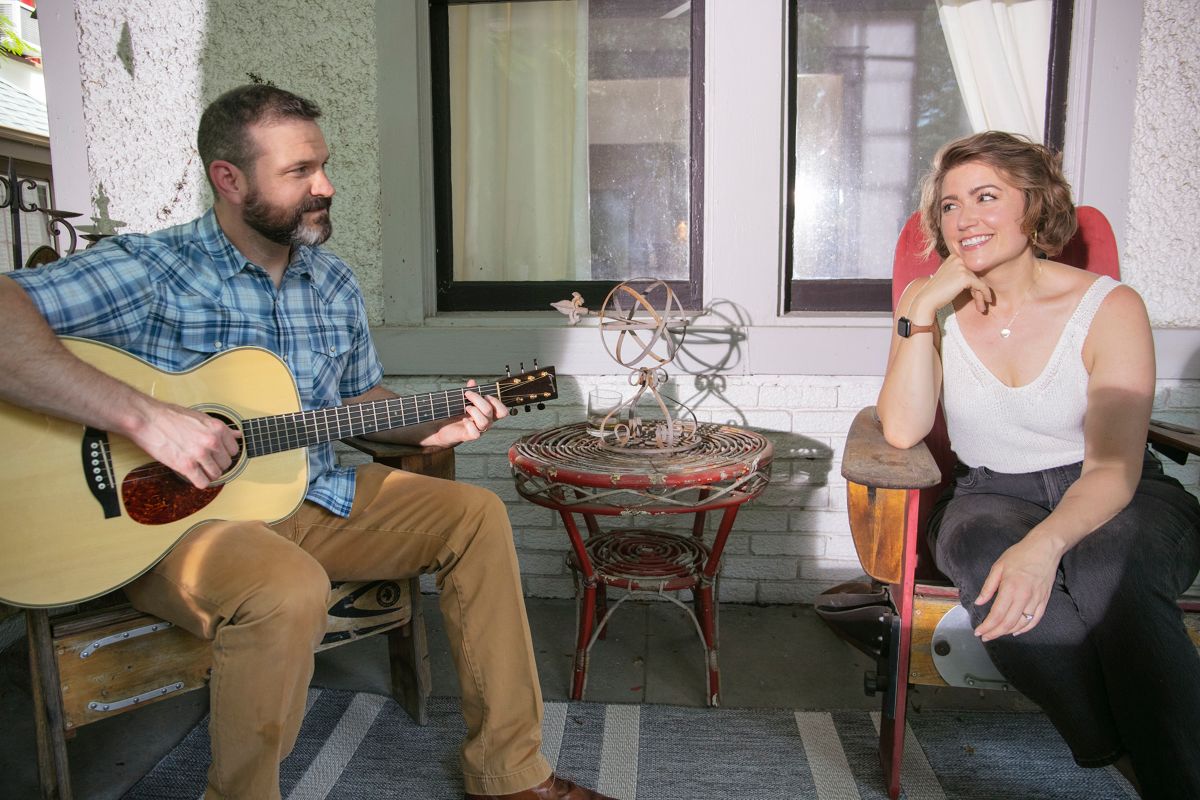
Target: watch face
904, 327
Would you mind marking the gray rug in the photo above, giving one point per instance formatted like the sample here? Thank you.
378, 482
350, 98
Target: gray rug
363, 746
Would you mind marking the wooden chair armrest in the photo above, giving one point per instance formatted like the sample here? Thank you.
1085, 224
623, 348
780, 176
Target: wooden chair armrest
870, 461
879, 477
1174, 441
437, 462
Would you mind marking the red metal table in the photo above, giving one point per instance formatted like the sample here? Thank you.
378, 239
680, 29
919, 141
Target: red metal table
570, 470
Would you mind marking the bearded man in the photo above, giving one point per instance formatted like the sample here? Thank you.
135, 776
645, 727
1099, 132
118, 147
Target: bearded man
250, 271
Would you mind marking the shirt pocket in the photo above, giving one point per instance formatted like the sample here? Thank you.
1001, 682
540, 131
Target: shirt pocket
330, 346
203, 333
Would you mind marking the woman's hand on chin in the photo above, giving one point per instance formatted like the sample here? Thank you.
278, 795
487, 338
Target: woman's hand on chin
951, 279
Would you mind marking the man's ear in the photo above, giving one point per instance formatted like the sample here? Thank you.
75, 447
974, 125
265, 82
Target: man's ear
228, 180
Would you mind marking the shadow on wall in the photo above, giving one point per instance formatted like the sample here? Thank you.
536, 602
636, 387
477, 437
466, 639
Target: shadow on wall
717, 345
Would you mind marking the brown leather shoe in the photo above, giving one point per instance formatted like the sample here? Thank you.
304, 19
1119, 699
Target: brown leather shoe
553, 788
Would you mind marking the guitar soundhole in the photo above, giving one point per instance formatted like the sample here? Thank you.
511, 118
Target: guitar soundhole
154, 495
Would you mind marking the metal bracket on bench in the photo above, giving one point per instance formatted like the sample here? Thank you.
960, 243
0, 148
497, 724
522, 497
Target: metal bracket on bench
116, 638
959, 656
117, 705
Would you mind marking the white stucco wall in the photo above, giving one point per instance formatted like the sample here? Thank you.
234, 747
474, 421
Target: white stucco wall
141, 127
1163, 248
141, 109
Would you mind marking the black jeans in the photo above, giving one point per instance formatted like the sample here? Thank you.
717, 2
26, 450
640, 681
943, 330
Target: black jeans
1110, 662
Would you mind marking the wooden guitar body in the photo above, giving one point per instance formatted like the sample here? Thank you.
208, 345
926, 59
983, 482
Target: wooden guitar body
83, 512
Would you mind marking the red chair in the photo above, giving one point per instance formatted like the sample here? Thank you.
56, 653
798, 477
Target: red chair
907, 618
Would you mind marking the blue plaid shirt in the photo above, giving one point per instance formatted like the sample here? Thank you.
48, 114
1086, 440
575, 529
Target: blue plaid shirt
179, 296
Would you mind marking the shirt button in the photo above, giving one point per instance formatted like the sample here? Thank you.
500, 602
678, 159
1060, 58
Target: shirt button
218, 345
285, 358
333, 350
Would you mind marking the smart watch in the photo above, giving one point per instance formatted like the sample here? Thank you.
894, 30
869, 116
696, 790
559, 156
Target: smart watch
905, 327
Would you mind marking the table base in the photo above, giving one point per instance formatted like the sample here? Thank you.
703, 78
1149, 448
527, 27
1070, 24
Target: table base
644, 562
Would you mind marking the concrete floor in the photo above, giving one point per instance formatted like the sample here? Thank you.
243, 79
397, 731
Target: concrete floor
771, 657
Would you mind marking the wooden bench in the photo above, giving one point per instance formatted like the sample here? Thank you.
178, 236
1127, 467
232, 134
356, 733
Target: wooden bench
106, 658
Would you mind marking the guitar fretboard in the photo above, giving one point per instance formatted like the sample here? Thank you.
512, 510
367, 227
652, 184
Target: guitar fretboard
274, 434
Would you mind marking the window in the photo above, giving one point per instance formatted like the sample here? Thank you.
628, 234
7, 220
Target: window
21, 24
873, 95
567, 149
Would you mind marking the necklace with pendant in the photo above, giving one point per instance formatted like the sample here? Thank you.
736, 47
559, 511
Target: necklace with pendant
1006, 331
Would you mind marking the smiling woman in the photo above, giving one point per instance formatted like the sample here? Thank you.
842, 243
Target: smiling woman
1067, 542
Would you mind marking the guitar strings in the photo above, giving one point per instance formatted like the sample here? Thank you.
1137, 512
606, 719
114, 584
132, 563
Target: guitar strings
440, 410
446, 408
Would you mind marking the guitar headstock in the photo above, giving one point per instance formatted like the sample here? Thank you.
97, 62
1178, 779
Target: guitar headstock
528, 388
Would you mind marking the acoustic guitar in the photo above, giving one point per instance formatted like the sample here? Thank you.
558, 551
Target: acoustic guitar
83, 511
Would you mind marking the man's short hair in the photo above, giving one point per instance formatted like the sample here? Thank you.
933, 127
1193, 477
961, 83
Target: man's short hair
223, 136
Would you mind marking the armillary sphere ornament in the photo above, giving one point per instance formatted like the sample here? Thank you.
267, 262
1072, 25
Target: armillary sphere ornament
641, 329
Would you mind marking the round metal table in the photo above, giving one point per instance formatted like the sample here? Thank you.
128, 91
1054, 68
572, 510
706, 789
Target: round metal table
572, 471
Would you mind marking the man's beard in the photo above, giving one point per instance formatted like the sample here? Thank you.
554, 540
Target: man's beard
287, 225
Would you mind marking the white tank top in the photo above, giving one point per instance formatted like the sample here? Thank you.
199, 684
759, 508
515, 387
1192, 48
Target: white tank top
1024, 428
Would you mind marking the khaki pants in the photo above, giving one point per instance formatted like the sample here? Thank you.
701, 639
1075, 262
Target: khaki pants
260, 593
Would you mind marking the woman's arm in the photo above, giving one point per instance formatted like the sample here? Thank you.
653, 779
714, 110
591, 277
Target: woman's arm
912, 383
913, 380
1119, 354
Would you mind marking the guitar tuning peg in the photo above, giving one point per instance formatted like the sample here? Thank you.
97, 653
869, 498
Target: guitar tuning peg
522, 366
526, 409
535, 366
541, 406
507, 371
513, 411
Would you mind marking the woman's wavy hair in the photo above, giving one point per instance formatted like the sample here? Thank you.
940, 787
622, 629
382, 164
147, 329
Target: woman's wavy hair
1049, 218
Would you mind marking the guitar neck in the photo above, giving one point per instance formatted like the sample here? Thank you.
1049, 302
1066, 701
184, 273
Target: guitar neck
274, 434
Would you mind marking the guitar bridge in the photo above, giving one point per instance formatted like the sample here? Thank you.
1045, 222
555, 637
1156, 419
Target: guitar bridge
98, 471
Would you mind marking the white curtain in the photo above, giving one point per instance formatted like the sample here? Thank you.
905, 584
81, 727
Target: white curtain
519, 150
1000, 50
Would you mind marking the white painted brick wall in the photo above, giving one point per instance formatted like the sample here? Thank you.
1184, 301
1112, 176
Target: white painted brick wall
790, 544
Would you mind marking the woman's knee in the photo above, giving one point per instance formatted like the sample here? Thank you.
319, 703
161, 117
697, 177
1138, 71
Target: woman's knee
973, 532
1149, 549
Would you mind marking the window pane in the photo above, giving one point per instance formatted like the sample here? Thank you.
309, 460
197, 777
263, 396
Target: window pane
875, 96
639, 86
569, 140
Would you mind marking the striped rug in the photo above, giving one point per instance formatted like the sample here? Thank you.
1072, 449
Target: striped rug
357, 746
